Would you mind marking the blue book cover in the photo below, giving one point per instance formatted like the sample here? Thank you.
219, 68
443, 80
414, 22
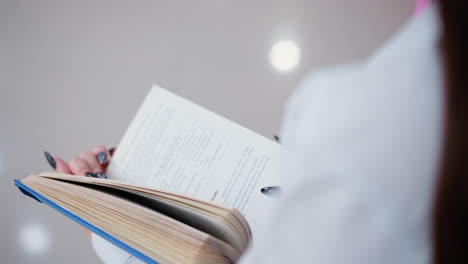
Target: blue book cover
30, 192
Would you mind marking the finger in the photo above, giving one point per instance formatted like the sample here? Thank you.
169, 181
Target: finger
79, 166
92, 161
111, 151
103, 155
62, 166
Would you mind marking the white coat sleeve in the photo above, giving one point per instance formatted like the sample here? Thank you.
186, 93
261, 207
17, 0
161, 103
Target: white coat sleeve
337, 204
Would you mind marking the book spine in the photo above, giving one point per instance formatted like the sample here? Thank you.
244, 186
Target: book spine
33, 194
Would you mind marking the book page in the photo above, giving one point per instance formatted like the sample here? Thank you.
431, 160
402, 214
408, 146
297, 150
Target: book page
176, 145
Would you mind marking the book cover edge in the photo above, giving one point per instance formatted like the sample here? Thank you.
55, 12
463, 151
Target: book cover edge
33, 194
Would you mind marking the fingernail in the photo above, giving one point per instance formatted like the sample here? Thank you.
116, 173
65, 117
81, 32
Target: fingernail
50, 159
276, 138
89, 174
271, 190
111, 151
101, 156
101, 175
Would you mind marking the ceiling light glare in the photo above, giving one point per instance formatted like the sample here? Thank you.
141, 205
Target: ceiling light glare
285, 55
34, 239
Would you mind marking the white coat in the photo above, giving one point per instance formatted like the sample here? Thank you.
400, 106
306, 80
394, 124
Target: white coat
362, 149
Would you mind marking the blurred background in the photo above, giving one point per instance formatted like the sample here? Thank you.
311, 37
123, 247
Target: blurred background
73, 73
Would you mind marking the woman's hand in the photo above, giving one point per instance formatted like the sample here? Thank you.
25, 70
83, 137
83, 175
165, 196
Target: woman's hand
92, 163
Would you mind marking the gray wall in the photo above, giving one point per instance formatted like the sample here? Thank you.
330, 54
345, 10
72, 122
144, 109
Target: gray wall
72, 74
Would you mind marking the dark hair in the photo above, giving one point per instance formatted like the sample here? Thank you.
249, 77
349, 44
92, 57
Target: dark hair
450, 212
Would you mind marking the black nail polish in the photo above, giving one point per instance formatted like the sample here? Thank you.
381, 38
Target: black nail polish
101, 175
89, 174
271, 190
50, 159
101, 156
276, 138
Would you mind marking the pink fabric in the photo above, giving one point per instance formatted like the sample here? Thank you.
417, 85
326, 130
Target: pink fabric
419, 6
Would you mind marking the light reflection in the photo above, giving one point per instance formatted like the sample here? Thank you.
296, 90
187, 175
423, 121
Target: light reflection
34, 239
285, 55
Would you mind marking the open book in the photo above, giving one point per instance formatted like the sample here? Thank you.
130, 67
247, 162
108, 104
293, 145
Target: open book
184, 186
